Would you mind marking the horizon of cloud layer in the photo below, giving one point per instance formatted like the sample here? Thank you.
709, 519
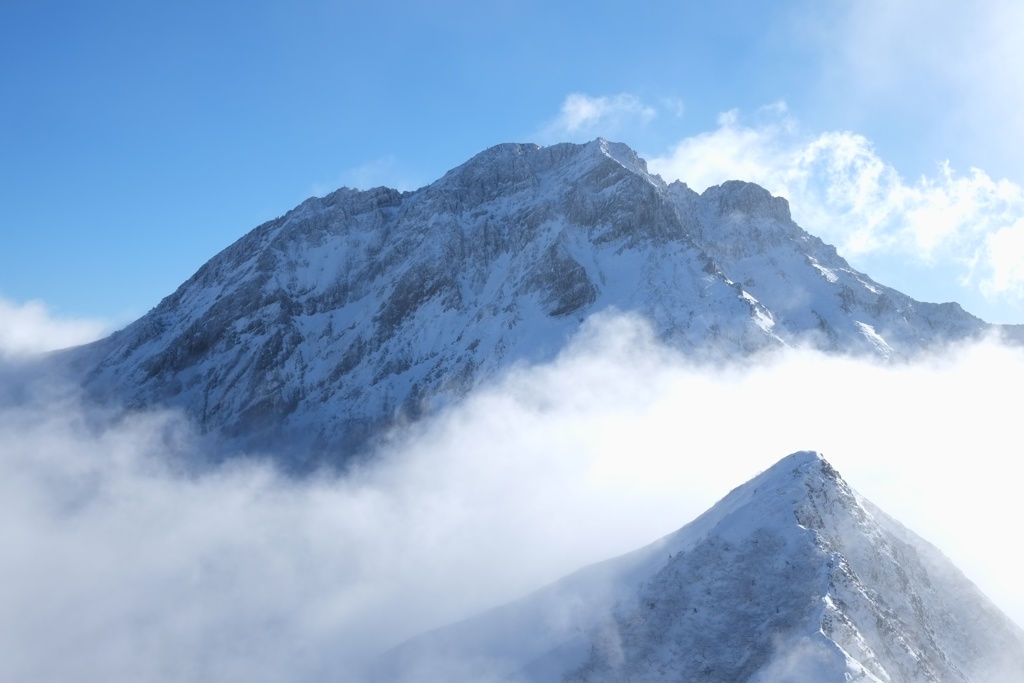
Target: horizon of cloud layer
133, 568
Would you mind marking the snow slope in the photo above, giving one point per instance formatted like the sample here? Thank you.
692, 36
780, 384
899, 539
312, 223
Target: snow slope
790, 577
315, 332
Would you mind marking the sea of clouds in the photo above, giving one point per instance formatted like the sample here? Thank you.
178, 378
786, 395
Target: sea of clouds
119, 563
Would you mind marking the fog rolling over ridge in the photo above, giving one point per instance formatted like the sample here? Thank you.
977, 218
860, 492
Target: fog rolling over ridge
318, 331
547, 358
133, 569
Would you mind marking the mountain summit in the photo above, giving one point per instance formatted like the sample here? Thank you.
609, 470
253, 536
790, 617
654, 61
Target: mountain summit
317, 330
791, 577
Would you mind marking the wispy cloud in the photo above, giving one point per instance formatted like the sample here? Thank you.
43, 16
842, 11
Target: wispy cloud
133, 571
31, 328
585, 116
841, 189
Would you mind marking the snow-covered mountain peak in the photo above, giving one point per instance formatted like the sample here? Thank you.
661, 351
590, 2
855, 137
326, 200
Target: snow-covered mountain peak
782, 492
798, 465
798, 476
319, 329
790, 577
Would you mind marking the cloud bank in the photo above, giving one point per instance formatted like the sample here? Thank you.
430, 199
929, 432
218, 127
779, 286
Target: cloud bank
123, 566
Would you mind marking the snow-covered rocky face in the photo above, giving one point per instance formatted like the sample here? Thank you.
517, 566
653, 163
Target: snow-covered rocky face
320, 330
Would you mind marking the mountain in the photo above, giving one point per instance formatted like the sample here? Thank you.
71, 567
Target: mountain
791, 577
318, 330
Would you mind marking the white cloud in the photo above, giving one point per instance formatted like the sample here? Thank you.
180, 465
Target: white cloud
132, 570
584, 116
1005, 253
31, 328
841, 190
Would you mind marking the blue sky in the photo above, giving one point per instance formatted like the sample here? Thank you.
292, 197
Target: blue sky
139, 139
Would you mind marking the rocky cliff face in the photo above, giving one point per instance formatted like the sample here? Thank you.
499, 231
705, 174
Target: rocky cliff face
791, 577
317, 330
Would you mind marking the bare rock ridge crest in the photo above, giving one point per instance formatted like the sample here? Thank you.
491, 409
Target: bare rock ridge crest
317, 330
792, 576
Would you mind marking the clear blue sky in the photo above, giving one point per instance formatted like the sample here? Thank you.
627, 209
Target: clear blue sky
139, 139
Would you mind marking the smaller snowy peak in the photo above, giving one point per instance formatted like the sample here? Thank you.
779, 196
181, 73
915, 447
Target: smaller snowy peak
776, 493
810, 468
792, 576
791, 472
797, 463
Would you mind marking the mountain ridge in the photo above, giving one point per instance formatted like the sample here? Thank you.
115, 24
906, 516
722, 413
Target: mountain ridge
318, 330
